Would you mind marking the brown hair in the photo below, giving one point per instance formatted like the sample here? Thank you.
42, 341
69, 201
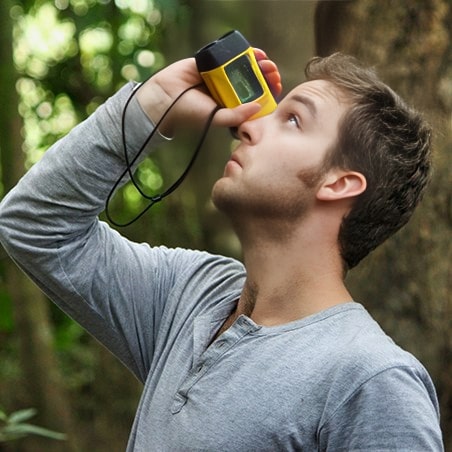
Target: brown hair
385, 140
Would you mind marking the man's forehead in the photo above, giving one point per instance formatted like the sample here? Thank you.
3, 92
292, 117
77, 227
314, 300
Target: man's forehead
320, 97
323, 90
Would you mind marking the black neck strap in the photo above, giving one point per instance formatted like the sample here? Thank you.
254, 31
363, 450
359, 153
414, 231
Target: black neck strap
129, 164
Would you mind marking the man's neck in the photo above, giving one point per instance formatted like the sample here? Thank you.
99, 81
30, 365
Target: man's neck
291, 277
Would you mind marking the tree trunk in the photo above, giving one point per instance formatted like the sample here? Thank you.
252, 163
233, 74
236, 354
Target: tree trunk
41, 387
406, 282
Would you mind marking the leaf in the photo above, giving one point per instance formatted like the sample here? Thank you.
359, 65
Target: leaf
3, 416
29, 429
21, 415
10, 436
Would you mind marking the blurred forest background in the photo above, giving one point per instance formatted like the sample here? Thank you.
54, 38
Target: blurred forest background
60, 59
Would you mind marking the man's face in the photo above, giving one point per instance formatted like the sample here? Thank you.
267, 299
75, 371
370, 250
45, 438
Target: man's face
277, 166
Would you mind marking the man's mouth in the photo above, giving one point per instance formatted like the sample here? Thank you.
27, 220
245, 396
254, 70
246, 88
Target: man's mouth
235, 159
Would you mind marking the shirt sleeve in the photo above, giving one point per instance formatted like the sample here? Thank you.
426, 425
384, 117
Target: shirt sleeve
114, 288
396, 410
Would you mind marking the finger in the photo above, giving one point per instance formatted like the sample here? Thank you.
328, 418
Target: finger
268, 66
274, 82
259, 54
272, 76
232, 117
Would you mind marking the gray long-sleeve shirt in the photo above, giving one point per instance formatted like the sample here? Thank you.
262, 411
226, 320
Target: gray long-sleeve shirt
330, 381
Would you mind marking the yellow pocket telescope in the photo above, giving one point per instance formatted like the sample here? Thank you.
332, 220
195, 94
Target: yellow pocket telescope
230, 71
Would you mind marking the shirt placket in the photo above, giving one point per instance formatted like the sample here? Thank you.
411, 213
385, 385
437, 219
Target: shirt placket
212, 354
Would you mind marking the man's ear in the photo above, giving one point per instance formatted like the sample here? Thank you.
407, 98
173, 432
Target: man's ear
340, 184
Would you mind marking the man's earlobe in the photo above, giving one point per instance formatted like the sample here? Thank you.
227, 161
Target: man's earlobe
342, 184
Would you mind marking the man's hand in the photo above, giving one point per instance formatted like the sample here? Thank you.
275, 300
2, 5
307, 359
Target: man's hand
156, 95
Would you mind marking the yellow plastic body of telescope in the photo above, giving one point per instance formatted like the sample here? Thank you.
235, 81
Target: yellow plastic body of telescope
232, 75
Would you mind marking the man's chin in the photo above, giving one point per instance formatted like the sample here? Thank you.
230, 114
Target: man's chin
217, 195
221, 197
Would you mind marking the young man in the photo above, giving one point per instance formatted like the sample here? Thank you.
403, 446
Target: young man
273, 354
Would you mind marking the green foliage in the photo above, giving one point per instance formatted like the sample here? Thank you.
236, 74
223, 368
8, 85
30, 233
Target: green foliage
73, 54
14, 426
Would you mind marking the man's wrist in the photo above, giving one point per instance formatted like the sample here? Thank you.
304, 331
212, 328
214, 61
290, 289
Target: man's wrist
154, 102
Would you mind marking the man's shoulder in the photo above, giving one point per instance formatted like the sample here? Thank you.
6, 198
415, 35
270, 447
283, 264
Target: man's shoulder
368, 366
351, 346
366, 346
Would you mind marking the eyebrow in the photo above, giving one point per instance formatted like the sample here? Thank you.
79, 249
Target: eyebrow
307, 102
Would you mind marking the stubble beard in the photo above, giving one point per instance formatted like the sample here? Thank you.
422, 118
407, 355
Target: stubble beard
279, 210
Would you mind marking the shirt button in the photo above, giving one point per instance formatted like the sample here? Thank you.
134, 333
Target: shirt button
179, 402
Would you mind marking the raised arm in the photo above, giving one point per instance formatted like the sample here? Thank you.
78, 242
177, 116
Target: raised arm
49, 223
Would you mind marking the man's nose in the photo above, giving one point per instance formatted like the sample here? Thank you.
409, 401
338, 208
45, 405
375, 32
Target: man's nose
249, 131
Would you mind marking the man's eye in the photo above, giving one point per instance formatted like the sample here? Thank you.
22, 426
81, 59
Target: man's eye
294, 120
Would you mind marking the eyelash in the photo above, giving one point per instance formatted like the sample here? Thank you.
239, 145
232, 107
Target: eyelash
292, 117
